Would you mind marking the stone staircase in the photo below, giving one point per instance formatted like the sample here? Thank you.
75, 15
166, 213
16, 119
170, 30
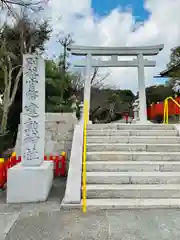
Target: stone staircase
133, 166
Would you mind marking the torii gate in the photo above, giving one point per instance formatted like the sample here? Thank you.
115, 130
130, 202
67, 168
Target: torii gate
114, 52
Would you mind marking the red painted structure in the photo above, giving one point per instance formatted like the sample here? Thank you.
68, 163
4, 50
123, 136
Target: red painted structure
158, 109
59, 166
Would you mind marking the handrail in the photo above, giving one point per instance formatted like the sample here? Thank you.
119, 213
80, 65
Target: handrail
166, 109
84, 154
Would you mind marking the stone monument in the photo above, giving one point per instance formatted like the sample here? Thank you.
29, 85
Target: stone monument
31, 180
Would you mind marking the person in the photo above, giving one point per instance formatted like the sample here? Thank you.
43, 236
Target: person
126, 117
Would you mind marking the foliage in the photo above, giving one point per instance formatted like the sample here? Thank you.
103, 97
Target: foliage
58, 89
65, 42
174, 66
175, 57
110, 104
158, 93
10, 89
23, 36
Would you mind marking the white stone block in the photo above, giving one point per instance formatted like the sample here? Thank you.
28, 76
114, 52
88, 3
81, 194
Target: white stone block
29, 184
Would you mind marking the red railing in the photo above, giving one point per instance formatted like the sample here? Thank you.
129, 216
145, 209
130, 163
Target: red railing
59, 166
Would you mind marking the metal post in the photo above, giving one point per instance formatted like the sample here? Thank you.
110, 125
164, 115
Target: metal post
142, 90
87, 83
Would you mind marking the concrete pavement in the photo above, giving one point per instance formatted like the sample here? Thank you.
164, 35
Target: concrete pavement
47, 221
98, 225
12, 213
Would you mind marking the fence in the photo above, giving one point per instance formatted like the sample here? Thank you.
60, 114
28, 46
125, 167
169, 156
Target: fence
59, 166
158, 109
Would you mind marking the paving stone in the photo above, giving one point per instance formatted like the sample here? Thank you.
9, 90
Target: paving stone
61, 225
144, 224
6, 222
103, 225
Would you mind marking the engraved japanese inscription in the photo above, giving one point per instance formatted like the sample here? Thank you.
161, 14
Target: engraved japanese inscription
31, 131
32, 110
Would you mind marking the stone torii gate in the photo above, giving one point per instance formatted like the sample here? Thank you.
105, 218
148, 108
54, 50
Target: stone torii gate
114, 52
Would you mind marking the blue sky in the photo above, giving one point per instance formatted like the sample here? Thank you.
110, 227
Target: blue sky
104, 7
97, 26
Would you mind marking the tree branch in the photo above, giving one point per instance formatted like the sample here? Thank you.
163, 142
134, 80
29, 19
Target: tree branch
34, 6
10, 79
5, 71
101, 80
18, 77
94, 74
5, 76
65, 42
22, 3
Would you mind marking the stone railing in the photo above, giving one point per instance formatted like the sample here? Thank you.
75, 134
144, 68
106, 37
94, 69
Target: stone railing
73, 185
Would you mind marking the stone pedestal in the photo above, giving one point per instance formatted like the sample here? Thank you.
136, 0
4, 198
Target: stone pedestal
29, 184
136, 111
137, 119
141, 122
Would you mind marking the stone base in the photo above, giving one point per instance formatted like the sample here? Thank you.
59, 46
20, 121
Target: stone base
29, 184
137, 121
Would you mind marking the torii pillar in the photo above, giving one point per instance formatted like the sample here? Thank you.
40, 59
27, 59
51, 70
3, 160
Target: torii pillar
142, 90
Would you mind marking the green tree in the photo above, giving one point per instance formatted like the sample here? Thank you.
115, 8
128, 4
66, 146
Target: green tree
174, 69
58, 89
158, 93
127, 95
63, 58
175, 57
24, 36
114, 102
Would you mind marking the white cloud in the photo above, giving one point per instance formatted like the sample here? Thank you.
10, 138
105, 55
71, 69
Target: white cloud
119, 29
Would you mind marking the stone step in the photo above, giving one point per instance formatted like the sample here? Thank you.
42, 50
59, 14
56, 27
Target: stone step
123, 203
133, 177
122, 126
133, 147
133, 139
133, 156
133, 191
114, 132
134, 166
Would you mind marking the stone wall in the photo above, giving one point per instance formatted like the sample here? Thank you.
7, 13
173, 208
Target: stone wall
59, 133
